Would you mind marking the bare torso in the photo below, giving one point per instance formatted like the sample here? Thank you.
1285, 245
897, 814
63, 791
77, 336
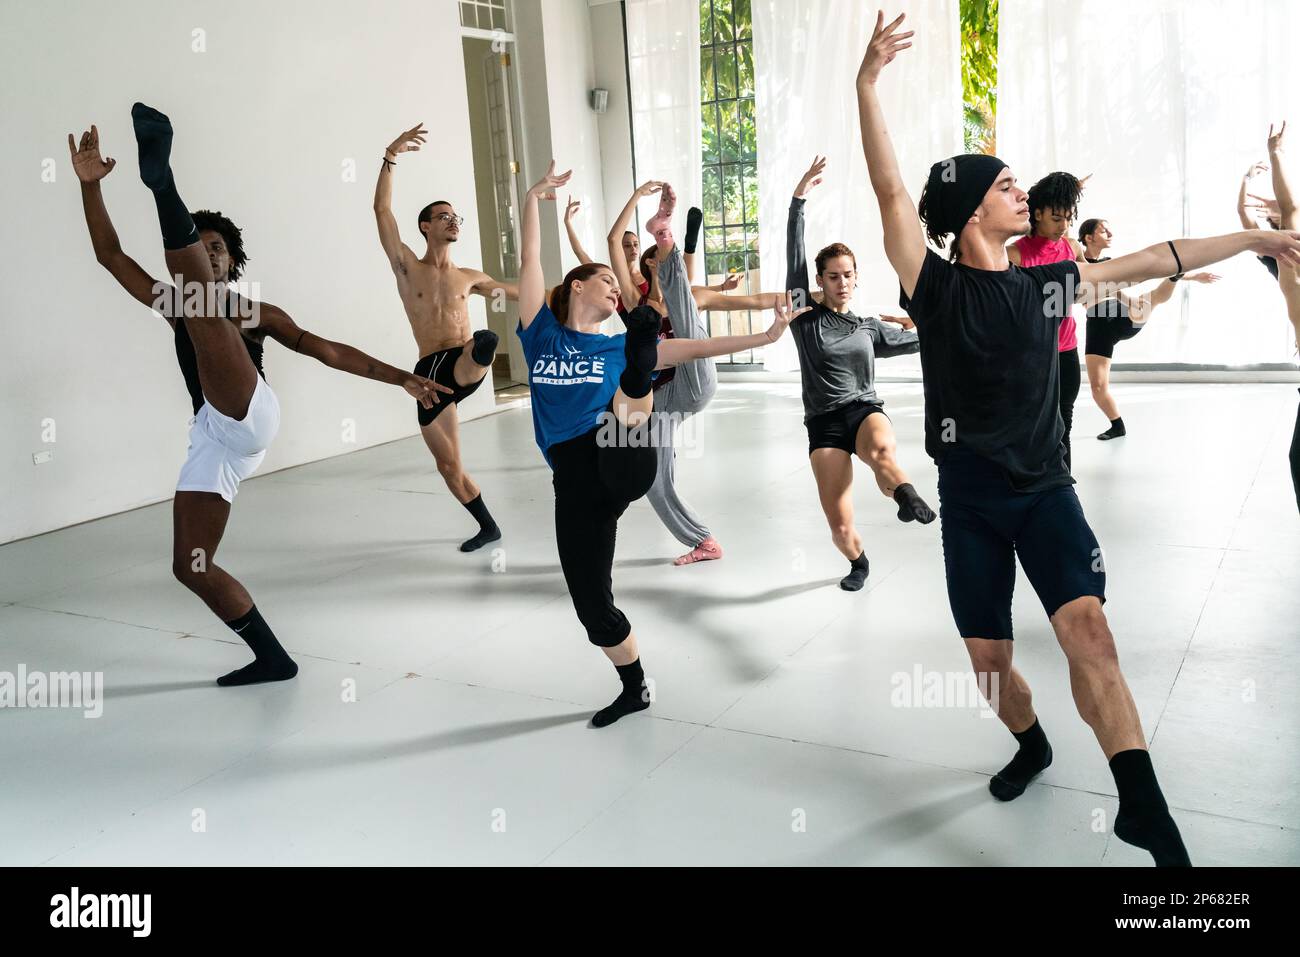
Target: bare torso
436, 300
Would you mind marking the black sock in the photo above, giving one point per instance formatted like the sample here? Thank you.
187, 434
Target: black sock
641, 349
1034, 756
485, 346
859, 568
153, 136
272, 663
631, 699
911, 507
694, 219
1143, 819
1115, 431
488, 531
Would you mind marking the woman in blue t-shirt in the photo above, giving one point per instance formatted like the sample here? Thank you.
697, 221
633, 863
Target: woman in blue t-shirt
592, 401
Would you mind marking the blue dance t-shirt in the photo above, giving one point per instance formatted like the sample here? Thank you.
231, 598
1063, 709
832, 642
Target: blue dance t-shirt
572, 377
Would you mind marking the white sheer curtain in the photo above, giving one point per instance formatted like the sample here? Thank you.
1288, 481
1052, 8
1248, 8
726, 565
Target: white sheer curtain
806, 56
663, 40
1166, 103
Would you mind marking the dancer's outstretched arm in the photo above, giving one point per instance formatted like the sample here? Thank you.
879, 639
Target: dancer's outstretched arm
1247, 220
706, 298
617, 260
532, 284
889, 337
571, 206
398, 253
489, 288
796, 257
676, 351
1141, 305
90, 169
1288, 275
1281, 184
1158, 261
728, 284
904, 240
339, 355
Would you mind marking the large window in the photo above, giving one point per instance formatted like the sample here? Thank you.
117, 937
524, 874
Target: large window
730, 160
483, 14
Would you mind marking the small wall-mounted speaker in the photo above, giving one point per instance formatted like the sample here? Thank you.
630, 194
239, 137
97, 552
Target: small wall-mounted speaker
600, 100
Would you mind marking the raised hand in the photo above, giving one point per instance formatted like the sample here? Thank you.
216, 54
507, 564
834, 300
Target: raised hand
811, 178
1264, 202
1204, 277
1255, 170
730, 283
1282, 245
86, 161
425, 391
650, 187
570, 208
1275, 139
906, 321
545, 187
783, 312
886, 43
409, 141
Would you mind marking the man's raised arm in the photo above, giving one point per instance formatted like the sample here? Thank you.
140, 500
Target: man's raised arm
389, 237
904, 240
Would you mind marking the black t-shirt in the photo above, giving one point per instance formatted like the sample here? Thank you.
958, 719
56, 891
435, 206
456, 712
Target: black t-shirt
1270, 264
989, 363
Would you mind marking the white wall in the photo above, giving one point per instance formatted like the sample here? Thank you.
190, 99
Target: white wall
575, 138
608, 50
284, 95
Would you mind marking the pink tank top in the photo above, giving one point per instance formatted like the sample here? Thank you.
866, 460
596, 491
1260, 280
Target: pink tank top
1037, 251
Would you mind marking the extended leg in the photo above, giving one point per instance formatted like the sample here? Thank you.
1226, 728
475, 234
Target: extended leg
876, 446
226, 373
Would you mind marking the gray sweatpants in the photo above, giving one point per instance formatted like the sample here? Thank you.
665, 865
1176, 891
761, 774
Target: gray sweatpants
689, 391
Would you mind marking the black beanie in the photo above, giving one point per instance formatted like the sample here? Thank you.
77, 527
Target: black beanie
954, 190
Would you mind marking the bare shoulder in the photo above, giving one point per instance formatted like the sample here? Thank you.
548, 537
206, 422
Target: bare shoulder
476, 278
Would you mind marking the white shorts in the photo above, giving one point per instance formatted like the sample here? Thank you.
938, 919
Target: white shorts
225, 451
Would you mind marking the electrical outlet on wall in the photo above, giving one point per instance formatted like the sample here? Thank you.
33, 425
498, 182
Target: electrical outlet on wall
40, 458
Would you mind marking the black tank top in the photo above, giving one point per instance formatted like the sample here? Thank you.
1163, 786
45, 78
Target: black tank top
189, 363
1107, 308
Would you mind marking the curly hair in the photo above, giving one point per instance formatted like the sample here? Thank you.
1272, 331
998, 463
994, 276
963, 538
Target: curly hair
1059, 191
214, 221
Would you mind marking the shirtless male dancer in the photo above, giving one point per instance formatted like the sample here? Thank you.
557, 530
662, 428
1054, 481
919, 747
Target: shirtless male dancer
219, 339
435, 294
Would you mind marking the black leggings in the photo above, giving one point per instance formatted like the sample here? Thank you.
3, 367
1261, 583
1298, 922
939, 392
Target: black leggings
1069, 364
1295, 458
594, 484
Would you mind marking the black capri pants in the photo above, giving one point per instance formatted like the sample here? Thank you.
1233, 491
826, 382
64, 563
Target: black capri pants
595, 481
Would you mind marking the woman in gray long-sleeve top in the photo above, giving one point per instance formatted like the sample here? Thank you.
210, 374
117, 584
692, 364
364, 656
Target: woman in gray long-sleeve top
837, 352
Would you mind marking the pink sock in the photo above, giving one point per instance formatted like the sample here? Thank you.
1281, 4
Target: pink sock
660, 224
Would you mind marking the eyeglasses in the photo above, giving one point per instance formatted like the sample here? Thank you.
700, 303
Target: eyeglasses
451, 218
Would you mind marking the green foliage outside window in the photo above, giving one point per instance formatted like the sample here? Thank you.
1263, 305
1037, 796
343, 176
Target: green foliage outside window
979, 74
730, 148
